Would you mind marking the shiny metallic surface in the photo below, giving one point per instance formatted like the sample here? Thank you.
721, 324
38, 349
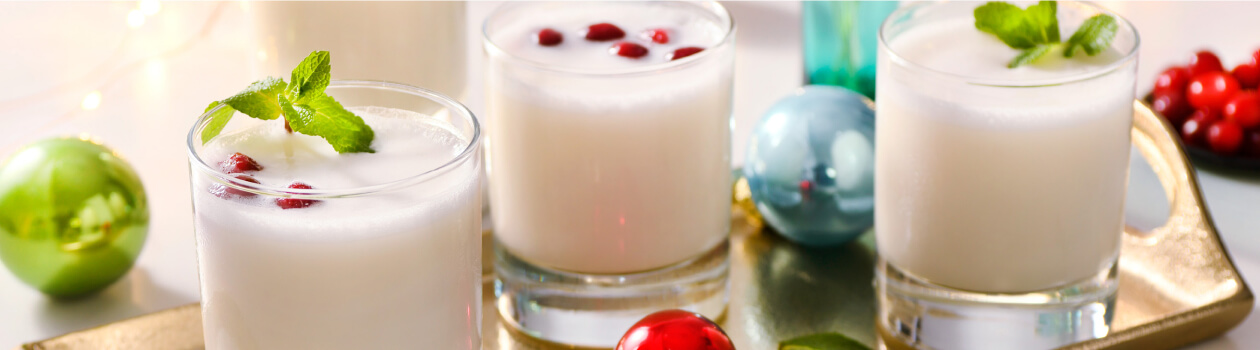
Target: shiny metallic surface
1177, 283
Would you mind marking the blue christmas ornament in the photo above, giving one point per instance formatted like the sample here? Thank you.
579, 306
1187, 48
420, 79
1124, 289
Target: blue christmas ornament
810, 165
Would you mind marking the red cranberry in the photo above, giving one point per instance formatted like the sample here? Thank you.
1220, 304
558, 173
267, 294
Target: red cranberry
239, 163
1194, 131
1243, 109
659, 36
1248, 75
1204, 62
1224, 137
1211, 89
293, 203
675, 330
1173, 79
684, 52
1208, 114
1172, 105
604, 32
549, 37
227, 192
629, 49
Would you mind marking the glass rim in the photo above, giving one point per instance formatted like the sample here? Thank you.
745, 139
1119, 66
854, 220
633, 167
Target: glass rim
230, 180
897, 59
728, 37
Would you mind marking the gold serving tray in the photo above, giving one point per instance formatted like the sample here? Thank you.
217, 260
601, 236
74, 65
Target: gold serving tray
1177, 283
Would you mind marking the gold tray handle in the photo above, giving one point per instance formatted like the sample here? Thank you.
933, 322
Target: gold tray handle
1157, 141
1178, 284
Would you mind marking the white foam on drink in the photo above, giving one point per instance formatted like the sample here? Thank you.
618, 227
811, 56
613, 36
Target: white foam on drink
686, 28
957, 48
407, 144
633, 95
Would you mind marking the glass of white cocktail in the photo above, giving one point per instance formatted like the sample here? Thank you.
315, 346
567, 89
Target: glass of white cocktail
373, 251
999, 191
609, 159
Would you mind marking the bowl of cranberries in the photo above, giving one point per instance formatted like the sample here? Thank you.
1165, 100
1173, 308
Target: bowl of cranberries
1216, 111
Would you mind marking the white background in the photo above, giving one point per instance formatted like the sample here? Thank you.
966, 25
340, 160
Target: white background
155, 78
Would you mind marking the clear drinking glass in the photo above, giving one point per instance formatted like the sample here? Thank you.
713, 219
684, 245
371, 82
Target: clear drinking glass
387, 265
999, 192
610, 185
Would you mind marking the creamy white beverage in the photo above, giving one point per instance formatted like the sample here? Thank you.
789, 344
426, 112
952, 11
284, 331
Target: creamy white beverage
414, 43
985, 187
391, 269
604, 163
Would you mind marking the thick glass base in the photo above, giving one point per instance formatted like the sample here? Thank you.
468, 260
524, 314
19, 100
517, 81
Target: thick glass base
915, 314
596, 310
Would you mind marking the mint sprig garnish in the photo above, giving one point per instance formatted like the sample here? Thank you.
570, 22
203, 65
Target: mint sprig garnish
822, 341
259, 100
1020, 28
310, 77
322, 115
1093, 36
1035, 30
303, 105
1031, 54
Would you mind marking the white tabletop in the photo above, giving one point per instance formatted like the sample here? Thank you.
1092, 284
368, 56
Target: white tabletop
153, 79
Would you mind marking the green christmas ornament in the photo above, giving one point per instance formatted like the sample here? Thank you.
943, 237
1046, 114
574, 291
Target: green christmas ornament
73, 216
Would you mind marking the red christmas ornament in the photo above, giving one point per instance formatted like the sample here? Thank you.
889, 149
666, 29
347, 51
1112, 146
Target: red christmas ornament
675, 330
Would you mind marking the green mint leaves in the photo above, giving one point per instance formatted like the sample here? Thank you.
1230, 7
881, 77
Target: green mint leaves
1031, 54
302, 103
1035, 30
310, 77
1020, 28
822, 341
322, 116
1093, 36
260, 99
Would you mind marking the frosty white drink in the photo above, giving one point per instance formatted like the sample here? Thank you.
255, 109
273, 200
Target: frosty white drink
609, 158
996, 188
383, 252
622, 168
999, 184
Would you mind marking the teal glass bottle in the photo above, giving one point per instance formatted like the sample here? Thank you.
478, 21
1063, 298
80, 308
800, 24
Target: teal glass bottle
840, 42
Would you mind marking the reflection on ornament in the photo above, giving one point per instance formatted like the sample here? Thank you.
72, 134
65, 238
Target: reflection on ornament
810, 166
73, 216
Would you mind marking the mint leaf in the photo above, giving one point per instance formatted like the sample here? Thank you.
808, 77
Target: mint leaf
1093, 36
822, 341
1044, 17
1035, 30
218, 120
259, 99
1019, 28
1029, 55
310, 77
322, 116
1007, 22
302, 103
